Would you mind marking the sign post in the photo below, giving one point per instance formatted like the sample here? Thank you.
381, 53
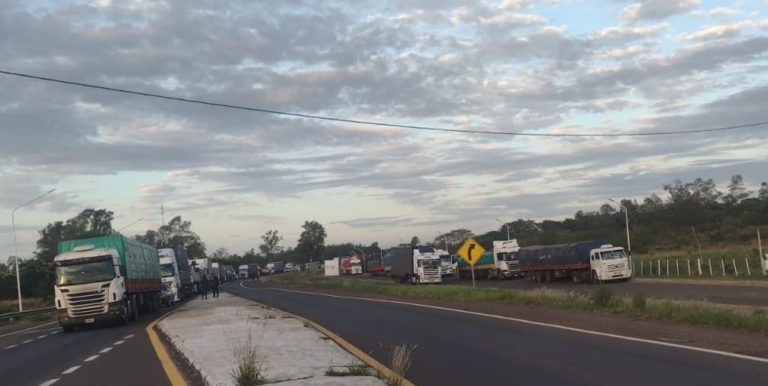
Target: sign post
471, 251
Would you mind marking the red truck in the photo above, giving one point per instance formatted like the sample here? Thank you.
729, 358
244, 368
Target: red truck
351, 266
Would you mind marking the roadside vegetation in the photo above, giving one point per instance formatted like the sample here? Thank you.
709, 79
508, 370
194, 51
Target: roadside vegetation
600, 300
248, 365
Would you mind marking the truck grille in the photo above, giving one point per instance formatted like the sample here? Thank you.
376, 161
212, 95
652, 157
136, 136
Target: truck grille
432, 273
87, 303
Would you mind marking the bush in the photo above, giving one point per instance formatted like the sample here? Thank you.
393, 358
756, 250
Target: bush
601, 296
638, 301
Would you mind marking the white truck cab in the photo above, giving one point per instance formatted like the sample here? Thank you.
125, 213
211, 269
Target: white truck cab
505, 258
427, 264
609, 263
89, 285
169, 275
447, 265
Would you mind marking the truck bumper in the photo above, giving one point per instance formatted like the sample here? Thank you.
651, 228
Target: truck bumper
114, 312
618, 275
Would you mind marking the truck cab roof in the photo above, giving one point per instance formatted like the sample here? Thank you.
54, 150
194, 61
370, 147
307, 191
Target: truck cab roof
80, 254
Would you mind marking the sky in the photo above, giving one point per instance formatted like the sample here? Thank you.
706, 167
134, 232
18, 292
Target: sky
530, 67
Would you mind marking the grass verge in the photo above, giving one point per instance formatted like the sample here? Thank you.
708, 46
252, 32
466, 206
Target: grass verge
601, 300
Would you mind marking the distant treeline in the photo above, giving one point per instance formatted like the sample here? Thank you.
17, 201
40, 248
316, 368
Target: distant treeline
720, 218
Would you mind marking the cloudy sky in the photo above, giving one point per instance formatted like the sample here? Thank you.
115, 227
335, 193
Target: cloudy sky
514, 66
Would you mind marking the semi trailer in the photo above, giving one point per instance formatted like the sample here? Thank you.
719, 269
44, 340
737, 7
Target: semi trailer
415, 265
592, 261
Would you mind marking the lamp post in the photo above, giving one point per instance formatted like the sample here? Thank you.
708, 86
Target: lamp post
505, 226
17, 260
626, 222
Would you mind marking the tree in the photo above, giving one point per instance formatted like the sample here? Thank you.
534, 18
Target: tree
606, 209
270, 245
736, 191
220, 253
415, 241
177, 233
311, 241
763, 193
88, 223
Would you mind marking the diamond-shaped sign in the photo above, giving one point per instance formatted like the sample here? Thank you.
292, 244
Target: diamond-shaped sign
471, 251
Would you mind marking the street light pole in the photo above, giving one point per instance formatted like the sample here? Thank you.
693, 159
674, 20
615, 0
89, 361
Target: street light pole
626, 223
505, 226
17, 260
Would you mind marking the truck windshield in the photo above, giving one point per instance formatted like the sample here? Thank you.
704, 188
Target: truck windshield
612, 255
166, 270
506, 256
429, 263
85, 271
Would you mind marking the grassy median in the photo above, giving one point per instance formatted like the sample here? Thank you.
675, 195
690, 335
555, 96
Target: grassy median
600, 300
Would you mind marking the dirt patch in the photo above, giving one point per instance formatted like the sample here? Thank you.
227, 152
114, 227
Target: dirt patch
735, 341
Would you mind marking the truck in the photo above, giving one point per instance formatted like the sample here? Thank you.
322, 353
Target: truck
415, 265
229, 272
105, 279
217, 271
380, 265
254, 270
584, 261
276, 267
499, 263
242, 271
332, 267
351, 266
198, 267
175, 275
448, 265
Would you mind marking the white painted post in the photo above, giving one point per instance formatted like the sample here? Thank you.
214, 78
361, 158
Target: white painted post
722, 265
760, 248
710, 267
677, 266
746, 261
735, 270
698, 265
688, 261
667, 267
641, 268
658, 267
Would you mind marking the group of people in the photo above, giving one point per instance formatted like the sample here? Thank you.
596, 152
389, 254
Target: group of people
205, 283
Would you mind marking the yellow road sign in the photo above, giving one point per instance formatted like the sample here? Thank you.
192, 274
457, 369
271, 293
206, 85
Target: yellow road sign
471, 251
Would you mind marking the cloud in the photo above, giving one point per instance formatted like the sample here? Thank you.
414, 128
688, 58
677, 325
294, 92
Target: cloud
657, 9
727, 30
724, 11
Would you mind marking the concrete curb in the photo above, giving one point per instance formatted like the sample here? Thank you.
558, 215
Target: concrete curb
170, 368
349, 347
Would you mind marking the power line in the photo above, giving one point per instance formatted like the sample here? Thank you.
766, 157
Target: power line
375, 123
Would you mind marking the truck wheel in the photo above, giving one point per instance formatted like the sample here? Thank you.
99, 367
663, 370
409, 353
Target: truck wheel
125, 313
593, 278
548, 276
134, 307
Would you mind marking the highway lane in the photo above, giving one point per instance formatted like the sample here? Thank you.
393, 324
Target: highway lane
461, 349
44, 355
716, 293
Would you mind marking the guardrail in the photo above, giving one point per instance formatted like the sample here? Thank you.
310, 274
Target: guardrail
14, 315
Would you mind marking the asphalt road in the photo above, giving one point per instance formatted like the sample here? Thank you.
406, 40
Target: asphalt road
716, 293
43, 355
461, 349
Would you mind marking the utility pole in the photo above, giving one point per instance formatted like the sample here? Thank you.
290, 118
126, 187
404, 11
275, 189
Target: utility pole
17, 259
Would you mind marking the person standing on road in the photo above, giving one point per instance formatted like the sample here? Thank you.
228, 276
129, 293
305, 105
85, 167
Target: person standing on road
203, 286
258, 275
215, 286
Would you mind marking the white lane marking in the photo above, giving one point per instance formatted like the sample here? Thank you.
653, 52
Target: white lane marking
550, 325
49, 382
26, 341
90, 358
128, 336
70, 370
106, 350
40, 330
27, 329
40, 337
11, 346
54, 333
119, 342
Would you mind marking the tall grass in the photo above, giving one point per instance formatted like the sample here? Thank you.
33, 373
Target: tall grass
601, 300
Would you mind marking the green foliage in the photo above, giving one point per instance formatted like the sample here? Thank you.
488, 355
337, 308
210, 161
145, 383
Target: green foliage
88, 223
177, 233
311, 241
271, 243
639, 301
248, 368
601, 296
415, 241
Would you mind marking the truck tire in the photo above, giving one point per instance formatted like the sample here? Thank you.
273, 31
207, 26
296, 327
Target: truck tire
548, 276
134, 307
125, 314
